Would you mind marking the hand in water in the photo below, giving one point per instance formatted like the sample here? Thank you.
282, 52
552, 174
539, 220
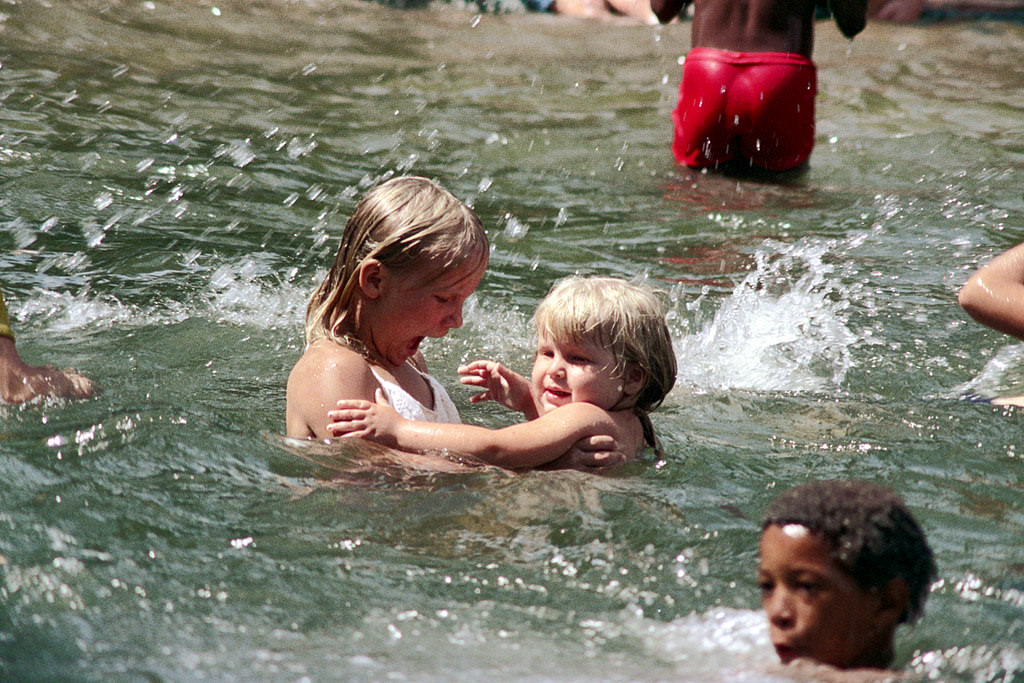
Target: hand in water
21, 382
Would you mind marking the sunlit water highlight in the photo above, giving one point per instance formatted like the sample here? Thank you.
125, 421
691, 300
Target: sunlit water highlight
175, 177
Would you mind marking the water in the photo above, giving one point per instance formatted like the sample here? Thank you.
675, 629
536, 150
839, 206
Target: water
175, 177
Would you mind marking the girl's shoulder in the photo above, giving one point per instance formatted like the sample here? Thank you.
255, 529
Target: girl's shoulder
326, 357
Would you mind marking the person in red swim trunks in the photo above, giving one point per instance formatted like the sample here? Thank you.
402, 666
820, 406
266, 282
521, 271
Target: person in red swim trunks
749, 83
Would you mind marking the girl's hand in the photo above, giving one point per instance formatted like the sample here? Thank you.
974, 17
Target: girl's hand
356, 418
499, 384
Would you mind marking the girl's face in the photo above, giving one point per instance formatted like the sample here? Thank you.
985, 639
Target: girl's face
403, 308
814, 608
577, 373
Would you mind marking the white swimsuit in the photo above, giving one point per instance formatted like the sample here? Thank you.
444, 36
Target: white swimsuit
411, 409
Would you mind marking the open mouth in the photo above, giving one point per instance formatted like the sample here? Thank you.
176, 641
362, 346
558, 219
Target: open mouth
786, 653
556, 394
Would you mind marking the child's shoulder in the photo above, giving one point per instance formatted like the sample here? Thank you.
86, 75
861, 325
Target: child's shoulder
328, 357
582, 409
623, 425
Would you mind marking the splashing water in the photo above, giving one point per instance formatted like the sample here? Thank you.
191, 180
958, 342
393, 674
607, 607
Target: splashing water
781, 329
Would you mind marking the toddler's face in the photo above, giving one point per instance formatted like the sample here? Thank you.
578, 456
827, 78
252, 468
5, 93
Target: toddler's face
814, 608
575, 373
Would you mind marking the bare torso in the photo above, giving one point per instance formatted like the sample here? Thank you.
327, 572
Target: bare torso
762, 25
755, 25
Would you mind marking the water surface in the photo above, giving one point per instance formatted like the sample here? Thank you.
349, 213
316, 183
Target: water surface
175, 177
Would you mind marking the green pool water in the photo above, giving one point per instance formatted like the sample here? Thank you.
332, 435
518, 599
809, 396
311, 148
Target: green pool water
175, 176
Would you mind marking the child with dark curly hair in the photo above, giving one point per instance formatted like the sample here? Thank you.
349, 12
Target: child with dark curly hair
842, 564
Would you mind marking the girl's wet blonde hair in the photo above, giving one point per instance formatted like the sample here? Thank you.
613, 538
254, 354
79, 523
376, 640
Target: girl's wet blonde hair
625, 318
405, 223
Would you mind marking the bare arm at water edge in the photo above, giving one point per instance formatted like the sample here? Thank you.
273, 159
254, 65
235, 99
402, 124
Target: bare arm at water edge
20, 381
524, 445
512, 390
994, 295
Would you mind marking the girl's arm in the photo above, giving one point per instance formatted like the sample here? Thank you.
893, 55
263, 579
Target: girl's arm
519, 446
994, 295
499, 384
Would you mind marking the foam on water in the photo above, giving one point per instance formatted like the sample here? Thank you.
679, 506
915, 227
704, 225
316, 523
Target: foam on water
251, 290
703, 640
977, 663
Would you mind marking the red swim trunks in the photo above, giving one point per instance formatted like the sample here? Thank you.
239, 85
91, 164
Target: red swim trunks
754, 105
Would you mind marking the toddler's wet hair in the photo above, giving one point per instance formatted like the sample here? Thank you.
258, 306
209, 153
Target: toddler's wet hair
625, 317
869, 530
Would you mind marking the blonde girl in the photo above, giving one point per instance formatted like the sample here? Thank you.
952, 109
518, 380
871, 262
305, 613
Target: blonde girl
410, 256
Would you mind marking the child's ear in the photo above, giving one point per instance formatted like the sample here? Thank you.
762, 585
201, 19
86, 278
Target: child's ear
634, 379
895, 596
371, 278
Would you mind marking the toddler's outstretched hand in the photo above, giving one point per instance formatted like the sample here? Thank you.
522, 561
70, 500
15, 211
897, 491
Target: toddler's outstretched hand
365, 420
499, 384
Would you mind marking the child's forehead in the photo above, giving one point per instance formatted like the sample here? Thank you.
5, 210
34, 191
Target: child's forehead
568, 339
796, 543
428, 272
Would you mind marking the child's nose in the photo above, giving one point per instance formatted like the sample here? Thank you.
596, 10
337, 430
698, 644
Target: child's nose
779, 609
454, 319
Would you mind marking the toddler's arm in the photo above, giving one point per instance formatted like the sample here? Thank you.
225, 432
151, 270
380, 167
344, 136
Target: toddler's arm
366, 420
994, 295
519, 446
499, 384
591, 453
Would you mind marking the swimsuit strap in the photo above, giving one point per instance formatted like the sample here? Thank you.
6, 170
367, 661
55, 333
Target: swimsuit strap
407, 406
444, 408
